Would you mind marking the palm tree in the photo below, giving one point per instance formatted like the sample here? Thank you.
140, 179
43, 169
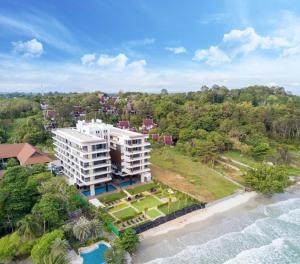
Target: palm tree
82, 230
28, 227
95, 228
54, 259
59, 246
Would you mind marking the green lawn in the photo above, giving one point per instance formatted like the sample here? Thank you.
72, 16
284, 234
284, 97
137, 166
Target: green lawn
125, 213
147, 202
153, 213
118, 207
142, 188
182, 173
112, 197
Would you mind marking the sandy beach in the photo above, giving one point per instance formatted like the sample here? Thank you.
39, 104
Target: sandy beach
219, 206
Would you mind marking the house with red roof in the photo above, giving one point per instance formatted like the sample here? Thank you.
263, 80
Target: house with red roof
155, 137
25, 153
123, 124
147, 125
168, 140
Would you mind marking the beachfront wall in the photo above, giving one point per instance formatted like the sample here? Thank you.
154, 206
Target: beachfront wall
161, 220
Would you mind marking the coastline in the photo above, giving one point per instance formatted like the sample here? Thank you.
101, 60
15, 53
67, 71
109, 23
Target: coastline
218, 206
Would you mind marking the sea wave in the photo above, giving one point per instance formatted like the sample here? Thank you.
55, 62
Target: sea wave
274, 238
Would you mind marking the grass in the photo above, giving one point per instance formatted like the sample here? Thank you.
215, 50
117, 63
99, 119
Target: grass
182, 173
236, 155
175, 206
112, 197
153, 213
125, 213
142, 188
147, 202
118, 207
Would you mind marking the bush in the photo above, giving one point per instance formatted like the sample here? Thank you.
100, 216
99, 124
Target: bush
129, 240
267, 179
43, 247
12, 247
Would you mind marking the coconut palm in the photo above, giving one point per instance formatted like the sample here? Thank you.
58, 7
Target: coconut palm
28, 227
82, 230
95, 228
59, 246
54, 259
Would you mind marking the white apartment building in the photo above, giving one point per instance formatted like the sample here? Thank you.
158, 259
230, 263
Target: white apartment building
85, 158
122, 152
129, 151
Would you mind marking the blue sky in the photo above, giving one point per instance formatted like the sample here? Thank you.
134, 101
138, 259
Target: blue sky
136, 45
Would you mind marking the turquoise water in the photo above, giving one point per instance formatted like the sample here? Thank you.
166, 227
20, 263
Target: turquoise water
96, 256
100, 190
268, 234
126, 183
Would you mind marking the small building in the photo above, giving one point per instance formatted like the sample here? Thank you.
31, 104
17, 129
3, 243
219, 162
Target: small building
123, 124
155, 137
51, 114
148, 124
25, 153
168, 140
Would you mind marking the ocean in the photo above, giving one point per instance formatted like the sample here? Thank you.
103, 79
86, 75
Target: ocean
264, 230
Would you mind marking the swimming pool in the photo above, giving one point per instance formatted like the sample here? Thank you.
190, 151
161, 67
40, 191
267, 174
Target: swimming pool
100, 190
126, 183
96, 256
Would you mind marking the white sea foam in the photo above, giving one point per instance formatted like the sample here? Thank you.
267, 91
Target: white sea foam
271, 239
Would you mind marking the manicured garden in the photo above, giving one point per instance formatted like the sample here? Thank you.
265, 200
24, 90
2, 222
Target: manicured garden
143, 203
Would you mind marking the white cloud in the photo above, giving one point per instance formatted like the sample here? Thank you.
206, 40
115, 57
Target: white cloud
118, 62
88, 59
246, 41
176, 50
212, 56
240, 43
31, 48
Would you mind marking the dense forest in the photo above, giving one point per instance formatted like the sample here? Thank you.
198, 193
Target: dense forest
255, 120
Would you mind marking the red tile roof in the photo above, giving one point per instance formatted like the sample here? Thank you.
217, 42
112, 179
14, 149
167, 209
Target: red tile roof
24, 152
148, 122
124, 124
168, 140
155, 137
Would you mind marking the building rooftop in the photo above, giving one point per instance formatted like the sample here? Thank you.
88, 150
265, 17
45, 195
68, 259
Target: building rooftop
124, 132
74, 135
24, 152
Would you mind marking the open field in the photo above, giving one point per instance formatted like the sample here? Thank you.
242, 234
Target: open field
182, 173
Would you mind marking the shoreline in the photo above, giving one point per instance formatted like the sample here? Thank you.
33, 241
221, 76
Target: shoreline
218, 206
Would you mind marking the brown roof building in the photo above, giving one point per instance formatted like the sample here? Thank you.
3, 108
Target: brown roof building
24, 152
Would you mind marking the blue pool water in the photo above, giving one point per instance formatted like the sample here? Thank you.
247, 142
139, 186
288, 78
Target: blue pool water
96, 256
126, 183
100, 190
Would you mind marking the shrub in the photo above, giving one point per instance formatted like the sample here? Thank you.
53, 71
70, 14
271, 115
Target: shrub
12, 247
267, 179
43, 246
129, 240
